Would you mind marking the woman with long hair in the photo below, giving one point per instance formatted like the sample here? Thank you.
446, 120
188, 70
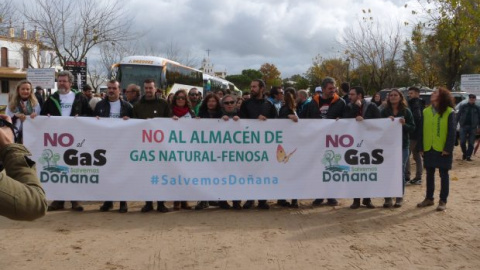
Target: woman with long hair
288, 111
23, 103
210, 107
181, 108
436, 144
397, 107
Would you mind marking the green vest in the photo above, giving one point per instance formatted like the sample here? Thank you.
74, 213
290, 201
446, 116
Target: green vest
435, 129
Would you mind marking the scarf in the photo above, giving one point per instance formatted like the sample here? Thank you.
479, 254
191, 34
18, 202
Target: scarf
180, 111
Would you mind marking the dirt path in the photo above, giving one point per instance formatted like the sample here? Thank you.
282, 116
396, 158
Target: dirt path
304, 238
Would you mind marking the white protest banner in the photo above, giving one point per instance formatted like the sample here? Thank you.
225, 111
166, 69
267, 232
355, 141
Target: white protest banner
43, 77
208, 159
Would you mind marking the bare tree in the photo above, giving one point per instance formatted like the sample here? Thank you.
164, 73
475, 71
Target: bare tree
175, 52
7, 13
72, 27
377, 46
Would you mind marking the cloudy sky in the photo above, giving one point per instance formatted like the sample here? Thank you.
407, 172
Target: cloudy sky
245, 34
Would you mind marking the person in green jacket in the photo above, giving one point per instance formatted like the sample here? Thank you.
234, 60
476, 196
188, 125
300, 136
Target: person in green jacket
436, 144
21, 195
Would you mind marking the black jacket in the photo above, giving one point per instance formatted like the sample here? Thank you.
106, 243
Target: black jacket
369, 110
407, 128
284, 112
80, 105
102, 109
416, 107
334, 111
156, 107
253, 108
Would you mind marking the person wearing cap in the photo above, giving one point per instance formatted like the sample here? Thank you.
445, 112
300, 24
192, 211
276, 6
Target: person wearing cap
468, 117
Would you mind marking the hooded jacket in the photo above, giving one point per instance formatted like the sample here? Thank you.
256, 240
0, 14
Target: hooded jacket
335, 110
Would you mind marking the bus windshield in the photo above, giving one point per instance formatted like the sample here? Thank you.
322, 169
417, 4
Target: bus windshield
137, 74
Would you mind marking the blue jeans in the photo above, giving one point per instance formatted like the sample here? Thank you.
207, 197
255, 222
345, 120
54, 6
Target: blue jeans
405, 155
444, 180
467, 132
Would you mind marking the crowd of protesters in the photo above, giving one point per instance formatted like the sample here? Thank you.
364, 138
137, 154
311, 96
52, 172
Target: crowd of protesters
428, 134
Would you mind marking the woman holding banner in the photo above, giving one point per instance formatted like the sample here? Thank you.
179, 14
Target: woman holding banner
211, 108
436, 144
181, 108
23, 103
397, 107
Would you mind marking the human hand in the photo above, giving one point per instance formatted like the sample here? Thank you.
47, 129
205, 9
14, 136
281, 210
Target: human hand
6, 131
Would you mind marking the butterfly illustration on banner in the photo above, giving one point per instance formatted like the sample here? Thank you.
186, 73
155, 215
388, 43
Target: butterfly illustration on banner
282, 156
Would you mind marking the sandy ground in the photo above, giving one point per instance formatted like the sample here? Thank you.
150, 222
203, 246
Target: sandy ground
304, 238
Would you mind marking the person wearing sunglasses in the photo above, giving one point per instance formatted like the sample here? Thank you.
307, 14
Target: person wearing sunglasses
21, 195
195, 100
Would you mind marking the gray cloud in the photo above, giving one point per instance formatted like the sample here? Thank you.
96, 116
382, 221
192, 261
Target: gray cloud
246, 33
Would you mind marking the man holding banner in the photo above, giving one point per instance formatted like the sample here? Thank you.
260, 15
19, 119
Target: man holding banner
150, 106
257, 108
326, 105
66, 102
113, 107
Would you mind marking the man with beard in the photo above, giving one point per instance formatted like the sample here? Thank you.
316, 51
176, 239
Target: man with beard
113, 107
257, 108
326, 105
66, 102
150, 106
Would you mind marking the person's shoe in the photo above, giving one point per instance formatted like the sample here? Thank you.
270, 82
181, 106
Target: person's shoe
237, 205
161, 207
263, 205
317, 202
185, 206
76, 206
332, 202
416, 181
176, 205
398, 202
213, 203
464, 157
201, 205
107, 206
123, 207
224, 205
355, 204
407, 182
368, 203
294, 204
283, 203
388, 203
248, 204
56, 205
442, 206
147, 207
469, 159
425, 203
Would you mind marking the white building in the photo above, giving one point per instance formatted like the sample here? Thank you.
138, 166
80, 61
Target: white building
207, 68
21, 49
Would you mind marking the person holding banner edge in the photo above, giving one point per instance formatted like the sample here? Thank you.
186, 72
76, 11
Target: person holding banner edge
397, 108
